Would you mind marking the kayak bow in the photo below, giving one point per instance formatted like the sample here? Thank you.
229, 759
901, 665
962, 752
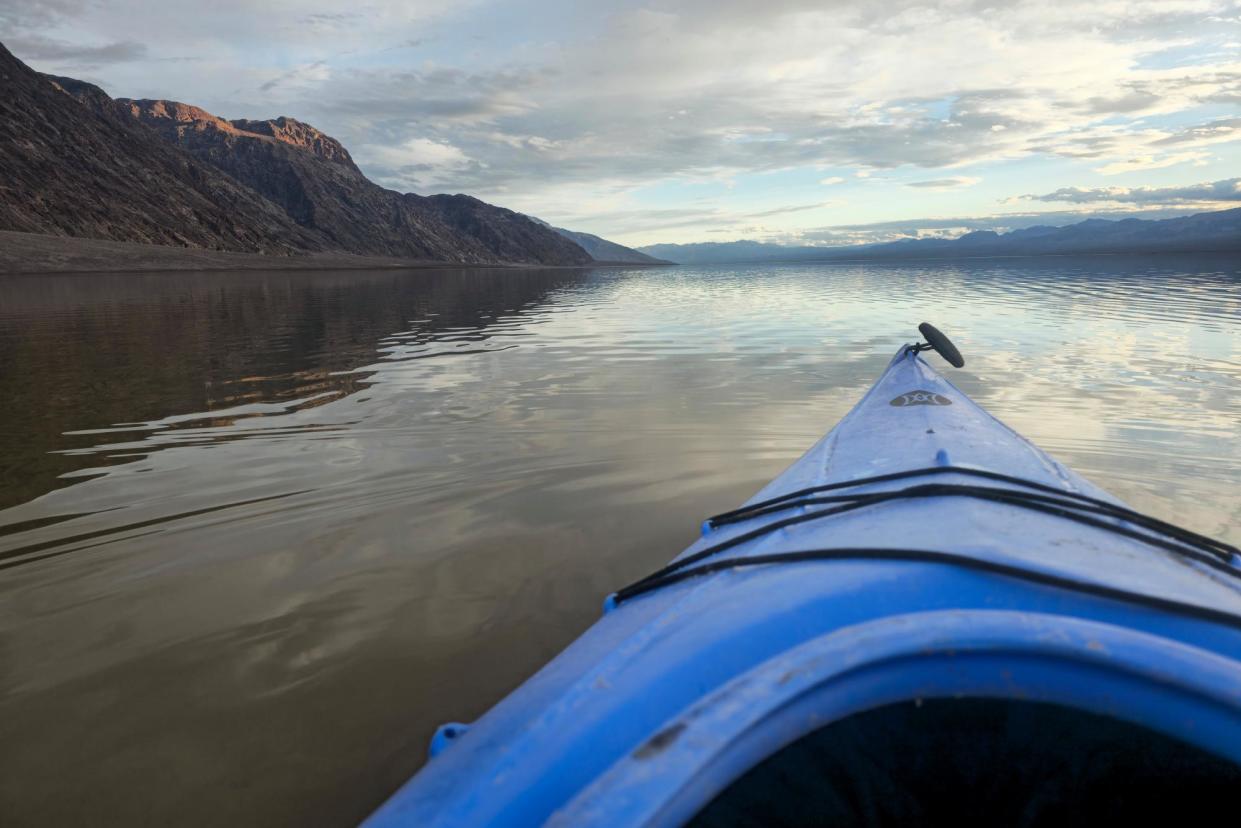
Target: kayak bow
923, 576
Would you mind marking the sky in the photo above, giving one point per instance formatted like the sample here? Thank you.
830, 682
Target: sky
825, 122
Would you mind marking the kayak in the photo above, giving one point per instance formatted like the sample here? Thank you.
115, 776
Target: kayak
924, 619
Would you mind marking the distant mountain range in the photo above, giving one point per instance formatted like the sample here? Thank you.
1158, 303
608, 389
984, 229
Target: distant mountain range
76, 162
1215, 231
604, 251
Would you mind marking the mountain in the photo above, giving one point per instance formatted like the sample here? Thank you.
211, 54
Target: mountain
1214, 231
602, 250
77, 162
312, 177
71, 171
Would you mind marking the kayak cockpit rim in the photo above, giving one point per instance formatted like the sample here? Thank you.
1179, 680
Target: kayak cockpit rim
1080, 665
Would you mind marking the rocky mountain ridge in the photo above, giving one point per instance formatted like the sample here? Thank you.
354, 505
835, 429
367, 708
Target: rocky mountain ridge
70, 170
312, 177
80, 163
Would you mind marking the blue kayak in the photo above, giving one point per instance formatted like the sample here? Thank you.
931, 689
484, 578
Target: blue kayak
925, 619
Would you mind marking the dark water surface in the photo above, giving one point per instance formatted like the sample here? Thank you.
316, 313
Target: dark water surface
260, 533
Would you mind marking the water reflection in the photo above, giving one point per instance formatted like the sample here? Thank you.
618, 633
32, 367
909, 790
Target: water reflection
266, 530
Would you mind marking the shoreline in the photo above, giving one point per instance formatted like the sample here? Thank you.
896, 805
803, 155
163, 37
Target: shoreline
35, 254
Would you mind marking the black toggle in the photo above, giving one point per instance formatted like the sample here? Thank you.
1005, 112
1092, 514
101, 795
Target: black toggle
942, 345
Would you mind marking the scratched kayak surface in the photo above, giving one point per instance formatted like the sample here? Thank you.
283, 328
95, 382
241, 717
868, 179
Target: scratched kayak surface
949, 594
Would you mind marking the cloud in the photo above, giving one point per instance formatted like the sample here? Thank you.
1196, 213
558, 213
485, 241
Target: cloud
36, 14
36, 47
317, 71
562, 113
1212, 192
333, 20
246, 36
412, 43
799, 208
1149, 162
804, 85
419, 162
1211, 132
639, 220
434, 99
1131, 101
747, 88
946, 183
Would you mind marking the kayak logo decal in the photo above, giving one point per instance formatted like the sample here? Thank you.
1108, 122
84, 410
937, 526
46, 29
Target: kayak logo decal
920, 398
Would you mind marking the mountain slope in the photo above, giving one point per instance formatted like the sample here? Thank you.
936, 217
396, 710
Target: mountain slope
602, 250
314, 179
1214, 231
76, 162
69, 171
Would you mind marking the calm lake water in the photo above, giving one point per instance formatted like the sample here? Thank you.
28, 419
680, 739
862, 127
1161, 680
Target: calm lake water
260, 533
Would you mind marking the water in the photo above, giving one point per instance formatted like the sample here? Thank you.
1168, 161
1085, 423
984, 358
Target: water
262, 532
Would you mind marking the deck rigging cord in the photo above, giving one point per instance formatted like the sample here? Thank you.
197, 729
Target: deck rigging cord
931, 556
804, 497
1073, 506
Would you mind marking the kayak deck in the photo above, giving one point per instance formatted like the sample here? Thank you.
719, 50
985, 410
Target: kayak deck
677, 693
879, 437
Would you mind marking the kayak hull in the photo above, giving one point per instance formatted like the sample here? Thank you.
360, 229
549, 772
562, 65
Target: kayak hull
675, 693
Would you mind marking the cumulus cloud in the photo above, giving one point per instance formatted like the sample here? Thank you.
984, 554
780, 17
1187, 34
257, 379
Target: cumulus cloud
1207, 193
418, 162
